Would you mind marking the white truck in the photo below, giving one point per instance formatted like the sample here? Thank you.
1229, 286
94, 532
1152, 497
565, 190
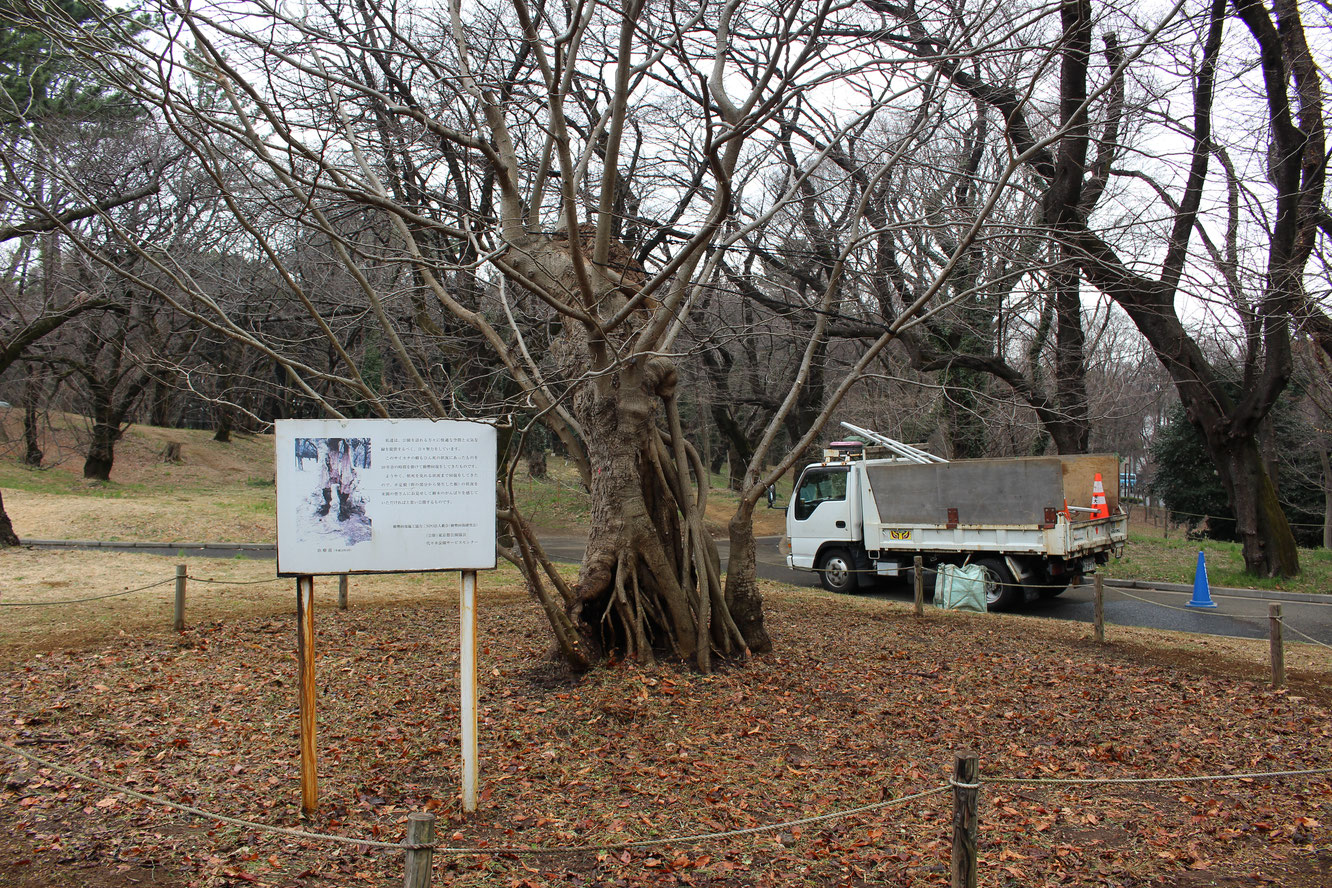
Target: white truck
1029, 522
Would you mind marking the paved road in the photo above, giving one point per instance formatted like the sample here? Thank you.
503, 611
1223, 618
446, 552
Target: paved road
1242, 615
1238, 614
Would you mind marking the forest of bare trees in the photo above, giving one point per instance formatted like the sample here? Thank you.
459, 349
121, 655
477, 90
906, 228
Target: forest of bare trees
673, 239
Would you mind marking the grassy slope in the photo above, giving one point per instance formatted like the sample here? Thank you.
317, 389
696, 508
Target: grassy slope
220, 492
1150, 556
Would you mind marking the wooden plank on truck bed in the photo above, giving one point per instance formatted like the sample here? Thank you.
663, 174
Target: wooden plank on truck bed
1079, 473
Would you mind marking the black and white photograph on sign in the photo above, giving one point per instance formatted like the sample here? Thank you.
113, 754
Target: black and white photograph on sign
336, 506
384, 495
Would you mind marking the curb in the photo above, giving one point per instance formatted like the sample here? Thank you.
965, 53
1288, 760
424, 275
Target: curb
1222, 591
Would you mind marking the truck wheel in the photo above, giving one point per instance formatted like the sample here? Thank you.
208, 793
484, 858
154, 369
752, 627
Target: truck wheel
835, 571
1054, 590
1001, 589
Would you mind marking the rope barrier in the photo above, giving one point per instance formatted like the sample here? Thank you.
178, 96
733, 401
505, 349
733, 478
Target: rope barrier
1256, 622
1103, 781
1186, 610
908, 571
82, 600
648, 843
235, 582
1200, 515
499, 849
1305, 635
198, 812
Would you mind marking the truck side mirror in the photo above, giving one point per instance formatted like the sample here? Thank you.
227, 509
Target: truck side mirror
772, 496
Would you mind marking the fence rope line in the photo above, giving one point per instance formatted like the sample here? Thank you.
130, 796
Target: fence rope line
1104, 781
1206, 517
498, 849
1252, 621
908, 572
1305, 635
1256, 622
197, 812
647, 843
234, 582
81, 600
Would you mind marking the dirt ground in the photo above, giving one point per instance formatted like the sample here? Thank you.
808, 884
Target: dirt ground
861, 702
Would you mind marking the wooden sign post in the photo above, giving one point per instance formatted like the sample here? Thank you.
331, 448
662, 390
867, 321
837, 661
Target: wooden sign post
467, 666
372, 496
306, 681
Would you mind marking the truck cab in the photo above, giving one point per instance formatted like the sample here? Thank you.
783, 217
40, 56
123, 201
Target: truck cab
824, 523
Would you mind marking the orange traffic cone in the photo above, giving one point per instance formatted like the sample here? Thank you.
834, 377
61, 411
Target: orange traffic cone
1100, 509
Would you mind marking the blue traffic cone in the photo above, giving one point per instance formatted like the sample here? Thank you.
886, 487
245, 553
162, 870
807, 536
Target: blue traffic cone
1201, 595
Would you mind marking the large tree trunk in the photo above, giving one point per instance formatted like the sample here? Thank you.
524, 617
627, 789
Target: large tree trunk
650, 583
1327, 496
742, 592
223, 433
7, 535
1265, 536
32, 453
102, 448
628, 592
101, 452
1071, 432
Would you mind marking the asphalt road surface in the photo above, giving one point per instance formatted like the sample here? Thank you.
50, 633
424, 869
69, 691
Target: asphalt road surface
1238, 614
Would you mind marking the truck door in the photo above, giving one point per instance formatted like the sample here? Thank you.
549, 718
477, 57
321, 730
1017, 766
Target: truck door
819, 512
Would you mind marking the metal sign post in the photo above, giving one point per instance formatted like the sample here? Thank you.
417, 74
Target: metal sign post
467, 666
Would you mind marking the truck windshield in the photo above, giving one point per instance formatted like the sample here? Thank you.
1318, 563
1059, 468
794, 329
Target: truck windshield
819, 485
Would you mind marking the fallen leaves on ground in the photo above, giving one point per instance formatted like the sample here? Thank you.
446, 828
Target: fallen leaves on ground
860, 703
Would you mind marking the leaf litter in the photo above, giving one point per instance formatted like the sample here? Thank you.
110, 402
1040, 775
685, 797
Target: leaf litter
861, 702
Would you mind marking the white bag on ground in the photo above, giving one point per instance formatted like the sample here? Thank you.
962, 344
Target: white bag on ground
960, 588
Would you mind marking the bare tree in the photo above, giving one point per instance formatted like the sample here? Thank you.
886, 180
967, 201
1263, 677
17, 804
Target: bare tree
1197, 250
529, 210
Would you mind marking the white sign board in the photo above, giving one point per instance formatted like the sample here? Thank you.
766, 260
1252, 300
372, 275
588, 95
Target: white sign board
384, 496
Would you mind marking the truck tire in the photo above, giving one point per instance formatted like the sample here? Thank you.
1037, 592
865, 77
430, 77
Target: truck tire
1001, 589
1053, 590
837, 571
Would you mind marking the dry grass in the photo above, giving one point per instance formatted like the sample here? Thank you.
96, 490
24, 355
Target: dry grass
239, 517
223, 492
218, 493
218, 591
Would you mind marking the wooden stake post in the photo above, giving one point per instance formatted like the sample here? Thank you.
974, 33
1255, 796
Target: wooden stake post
420, 836
178, 613
306, 681
1098, 611
1276, 646
966, 798
467, 665
920, 586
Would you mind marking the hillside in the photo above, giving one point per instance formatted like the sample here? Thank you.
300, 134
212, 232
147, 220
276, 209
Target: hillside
219, 492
